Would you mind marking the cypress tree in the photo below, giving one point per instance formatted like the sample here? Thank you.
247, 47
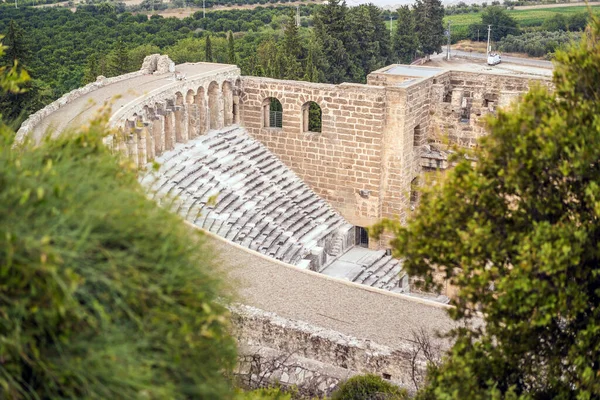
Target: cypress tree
292, 49
405, 42
16, 46
119, 60
91, 69
429, 15
230, 48
208, 50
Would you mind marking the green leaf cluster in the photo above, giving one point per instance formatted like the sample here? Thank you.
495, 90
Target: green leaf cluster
517, 233
361, 387
103, 294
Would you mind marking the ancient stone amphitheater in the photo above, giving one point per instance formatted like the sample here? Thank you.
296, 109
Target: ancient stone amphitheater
285, 176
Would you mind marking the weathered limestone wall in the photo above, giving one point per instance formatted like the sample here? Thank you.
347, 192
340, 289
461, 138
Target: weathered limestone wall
316, 359
461, 101
66, 99
341, 160
155, 122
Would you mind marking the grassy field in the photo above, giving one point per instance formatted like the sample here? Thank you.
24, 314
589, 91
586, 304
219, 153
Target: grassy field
535, 17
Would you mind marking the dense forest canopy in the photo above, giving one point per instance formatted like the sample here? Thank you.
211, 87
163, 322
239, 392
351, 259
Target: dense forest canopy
334, 43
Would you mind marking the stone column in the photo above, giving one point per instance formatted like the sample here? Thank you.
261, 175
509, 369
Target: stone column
140, 134
158, 129
169, 129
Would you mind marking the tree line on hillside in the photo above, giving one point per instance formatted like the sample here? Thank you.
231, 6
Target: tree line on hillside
66, 49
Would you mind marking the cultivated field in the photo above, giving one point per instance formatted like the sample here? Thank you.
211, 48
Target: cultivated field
528, 17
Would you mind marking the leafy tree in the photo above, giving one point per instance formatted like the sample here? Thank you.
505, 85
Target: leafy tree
558, 22
105, 294
208, 54
230, 48
187, 50
502, 23
577, 21
137, 55
362, 387
367, 42
517, 234
406, 42
429, 15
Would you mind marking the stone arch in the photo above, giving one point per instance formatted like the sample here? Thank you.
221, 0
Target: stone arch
213, 105
227, 91
312, 117
178, 99
189, 97
272, 113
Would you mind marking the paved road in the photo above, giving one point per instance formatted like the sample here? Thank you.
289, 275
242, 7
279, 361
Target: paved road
508, 59
351, 309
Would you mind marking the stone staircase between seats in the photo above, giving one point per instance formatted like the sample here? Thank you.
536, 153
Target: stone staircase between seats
231, 185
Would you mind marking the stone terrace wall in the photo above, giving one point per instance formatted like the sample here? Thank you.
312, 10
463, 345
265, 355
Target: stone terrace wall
339, 161
315, 359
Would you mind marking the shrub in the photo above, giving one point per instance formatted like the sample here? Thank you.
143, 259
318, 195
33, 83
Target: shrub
537, 44
103, 294
365, 387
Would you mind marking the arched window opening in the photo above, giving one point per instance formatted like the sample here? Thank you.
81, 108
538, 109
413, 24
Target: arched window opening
272, 113
311, 117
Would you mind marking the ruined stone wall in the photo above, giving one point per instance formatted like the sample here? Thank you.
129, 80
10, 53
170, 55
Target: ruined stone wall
341, 160
186, 109
315, 359
461, 101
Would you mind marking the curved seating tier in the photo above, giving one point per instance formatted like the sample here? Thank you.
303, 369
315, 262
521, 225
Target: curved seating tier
231, 185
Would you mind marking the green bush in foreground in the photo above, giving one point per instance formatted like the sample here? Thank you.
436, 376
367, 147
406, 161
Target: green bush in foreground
517, 234
103, 295
368, 387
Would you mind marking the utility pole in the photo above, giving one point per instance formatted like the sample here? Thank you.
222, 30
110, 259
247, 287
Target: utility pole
448, 47
298, 15
478, 34
488, 43
391, 27
16, 5
203, 9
